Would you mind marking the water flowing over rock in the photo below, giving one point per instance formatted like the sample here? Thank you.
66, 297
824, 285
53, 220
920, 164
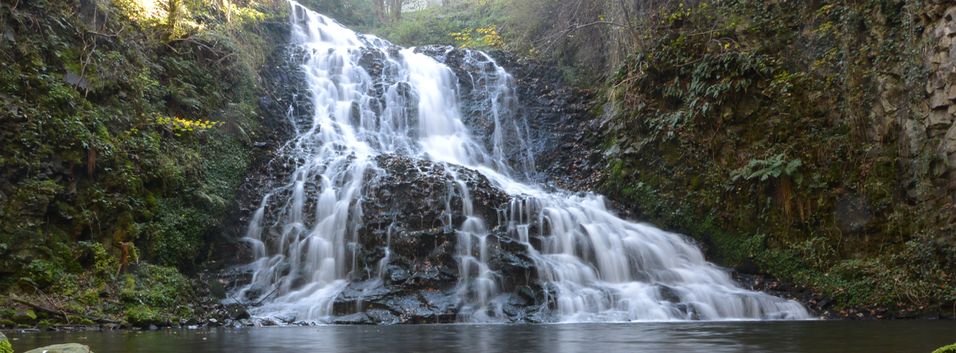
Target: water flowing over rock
409, 196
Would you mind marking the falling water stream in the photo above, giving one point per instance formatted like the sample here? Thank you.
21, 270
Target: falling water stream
598, 266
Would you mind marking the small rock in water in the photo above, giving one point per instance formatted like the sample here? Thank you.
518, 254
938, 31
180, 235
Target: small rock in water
236, 311
62, 348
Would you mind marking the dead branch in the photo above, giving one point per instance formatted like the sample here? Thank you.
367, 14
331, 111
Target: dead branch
554, 39
60, 313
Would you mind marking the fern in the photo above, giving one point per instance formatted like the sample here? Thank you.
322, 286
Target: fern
763, 169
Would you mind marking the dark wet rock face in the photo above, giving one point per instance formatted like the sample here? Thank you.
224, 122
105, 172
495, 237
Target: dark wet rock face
487, 94
407, 256
287, 98
560, 123
417, 194
547, 119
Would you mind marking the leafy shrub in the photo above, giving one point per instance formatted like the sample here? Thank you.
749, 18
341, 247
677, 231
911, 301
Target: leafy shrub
762, 169
946, 349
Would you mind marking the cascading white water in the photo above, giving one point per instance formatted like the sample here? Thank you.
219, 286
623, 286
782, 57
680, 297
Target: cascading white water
598, 266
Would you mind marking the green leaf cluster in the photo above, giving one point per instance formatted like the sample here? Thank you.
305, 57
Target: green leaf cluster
763, 169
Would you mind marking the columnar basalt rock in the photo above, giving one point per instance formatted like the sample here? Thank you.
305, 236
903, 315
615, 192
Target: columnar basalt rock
936, 136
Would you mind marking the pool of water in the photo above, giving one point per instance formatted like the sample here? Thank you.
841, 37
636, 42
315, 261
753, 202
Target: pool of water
801, 336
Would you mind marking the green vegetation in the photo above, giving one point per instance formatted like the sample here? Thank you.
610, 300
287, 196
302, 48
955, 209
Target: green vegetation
125, 132
472, 24
5, 346
777, 133
946, 349
584, 40
361, 13
757, 113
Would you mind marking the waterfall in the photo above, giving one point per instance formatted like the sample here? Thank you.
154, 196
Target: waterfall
592, 264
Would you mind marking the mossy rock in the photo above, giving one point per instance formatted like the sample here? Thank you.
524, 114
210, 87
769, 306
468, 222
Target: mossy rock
143, 316
62, 348
25, 317
5, 346
946, 349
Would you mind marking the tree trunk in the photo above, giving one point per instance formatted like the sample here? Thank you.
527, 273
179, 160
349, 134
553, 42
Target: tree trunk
227, 9
396, 10
380, 10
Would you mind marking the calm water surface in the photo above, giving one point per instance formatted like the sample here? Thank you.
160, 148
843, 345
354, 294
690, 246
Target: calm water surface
805, 336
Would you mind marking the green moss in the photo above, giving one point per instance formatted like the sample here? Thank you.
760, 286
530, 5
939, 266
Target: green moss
155, 295
5, 346
25, 317
95, 189
143, 316
732, 117
155, 286
946, 349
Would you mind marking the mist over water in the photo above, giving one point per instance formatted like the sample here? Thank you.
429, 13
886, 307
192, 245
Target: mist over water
595, 265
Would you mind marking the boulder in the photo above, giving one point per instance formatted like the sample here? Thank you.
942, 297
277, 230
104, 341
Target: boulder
947, 148
405, 209
62, 348
853, 213
939, 100
940, 118
25, 317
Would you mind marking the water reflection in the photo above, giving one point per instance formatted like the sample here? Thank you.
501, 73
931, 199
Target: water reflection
795, 337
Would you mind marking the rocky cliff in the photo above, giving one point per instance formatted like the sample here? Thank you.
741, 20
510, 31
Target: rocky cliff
808, 141
933, 132
407, 251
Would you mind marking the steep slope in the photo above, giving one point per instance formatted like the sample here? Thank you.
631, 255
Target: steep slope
810, 141
125, 133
